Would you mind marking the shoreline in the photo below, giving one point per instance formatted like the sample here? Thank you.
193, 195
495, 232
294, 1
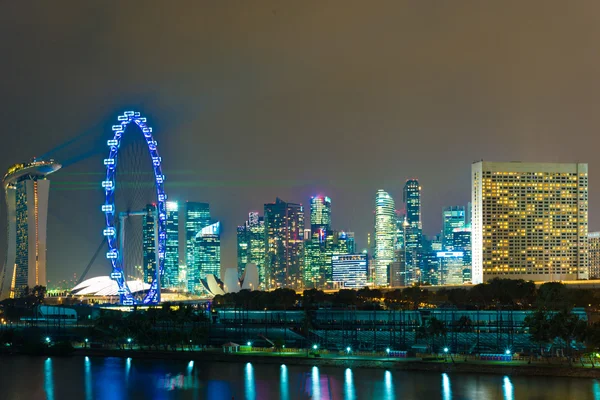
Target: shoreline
513, 368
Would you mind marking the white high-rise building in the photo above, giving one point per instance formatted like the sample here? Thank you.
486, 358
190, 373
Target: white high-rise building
529, 221
26, 188
385, 235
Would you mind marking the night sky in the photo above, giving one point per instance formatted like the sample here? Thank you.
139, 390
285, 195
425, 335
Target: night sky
250, 100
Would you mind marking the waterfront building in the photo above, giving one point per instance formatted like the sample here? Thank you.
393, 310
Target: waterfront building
251, 245
149, 241
349, 271
413, 230
529, 221
594, 254
171, 265
385, 235
26, 188
397, 270
452, 218
208, 251
284, 244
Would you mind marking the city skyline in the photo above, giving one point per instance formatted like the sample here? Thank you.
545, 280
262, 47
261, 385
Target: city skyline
225, 110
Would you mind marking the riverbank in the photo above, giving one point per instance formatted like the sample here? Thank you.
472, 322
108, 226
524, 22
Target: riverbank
512, 368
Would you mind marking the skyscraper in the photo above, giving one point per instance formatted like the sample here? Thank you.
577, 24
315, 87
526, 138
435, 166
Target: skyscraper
385, 233
251, 245
171, 267
529, 221
594, 254
208, 251
197, 216
149, 239
452, 217
27, 190
320, 213
284, 232
413, 230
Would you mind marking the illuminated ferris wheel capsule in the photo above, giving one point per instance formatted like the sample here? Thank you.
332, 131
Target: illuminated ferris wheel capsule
108, 208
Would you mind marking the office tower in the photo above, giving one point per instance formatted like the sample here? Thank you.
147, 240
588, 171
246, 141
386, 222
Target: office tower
594, 254
461, 238
208, 251
385, 235
320, 213
171, 266
343, 242
349, 271
197, 216
529, 221
149, 240
27, 189
452, 218
313, 272
400, 222
284, 233
397, 270
251, 245
451, 267
413, 228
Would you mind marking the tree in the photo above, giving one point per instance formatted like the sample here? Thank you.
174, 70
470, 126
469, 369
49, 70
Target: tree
539, 329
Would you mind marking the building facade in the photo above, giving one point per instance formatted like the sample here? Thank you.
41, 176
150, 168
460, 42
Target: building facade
27, 190
251, 245
452, 218
284, 244
149, 241
349, 271
594, 254
529, 221
320, 213
208, 251
385, 236
197, 216
171, 266
413, 230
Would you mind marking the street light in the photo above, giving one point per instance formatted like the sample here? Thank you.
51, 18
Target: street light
315, 347
128, 340
249, 344
348, 349
387, 351
507, 352
446, 350
47, 339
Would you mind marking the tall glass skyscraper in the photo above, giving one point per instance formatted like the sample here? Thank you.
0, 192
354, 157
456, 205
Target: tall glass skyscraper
320, 213
171, 266
149, 239
284, 244
413, 229
208, 256
452, 218
197, 216
27, 190
251, 245
385, 233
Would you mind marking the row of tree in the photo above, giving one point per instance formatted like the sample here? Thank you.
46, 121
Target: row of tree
497, 293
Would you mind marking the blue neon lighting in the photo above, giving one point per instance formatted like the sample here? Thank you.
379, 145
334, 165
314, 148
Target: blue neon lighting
109, 183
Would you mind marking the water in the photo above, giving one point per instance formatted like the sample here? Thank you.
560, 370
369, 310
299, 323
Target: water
115, 379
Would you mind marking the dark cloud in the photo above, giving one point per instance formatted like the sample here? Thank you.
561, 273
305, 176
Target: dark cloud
252, 100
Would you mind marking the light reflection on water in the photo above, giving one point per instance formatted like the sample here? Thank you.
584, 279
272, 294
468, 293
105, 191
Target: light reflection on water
113, 378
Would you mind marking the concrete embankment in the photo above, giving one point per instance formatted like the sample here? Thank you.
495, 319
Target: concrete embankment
511, 369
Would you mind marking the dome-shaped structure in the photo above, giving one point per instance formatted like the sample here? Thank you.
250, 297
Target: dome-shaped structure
104, 286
